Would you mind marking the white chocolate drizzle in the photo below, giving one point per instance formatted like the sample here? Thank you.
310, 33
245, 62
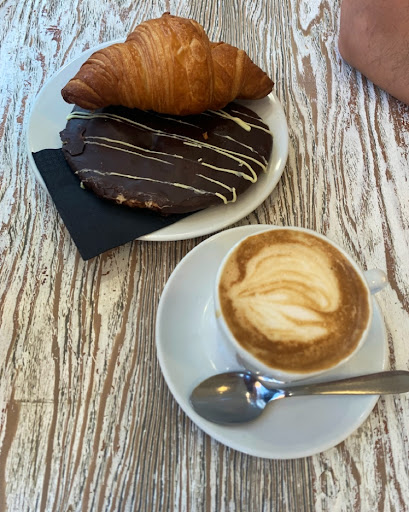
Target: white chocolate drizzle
108, 144
126, 147
235, 119
186, 140
174, 120
255, 125
253, 175
171, 184
245, 146
231, 189
244, 114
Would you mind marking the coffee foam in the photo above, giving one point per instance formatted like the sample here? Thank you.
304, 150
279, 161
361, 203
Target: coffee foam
293, 300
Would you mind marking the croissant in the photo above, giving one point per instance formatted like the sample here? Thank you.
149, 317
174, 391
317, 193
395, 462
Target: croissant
167, 65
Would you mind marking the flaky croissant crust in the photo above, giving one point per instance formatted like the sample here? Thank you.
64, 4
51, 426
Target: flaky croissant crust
167, 65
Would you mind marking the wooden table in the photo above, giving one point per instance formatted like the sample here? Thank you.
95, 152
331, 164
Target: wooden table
78, 429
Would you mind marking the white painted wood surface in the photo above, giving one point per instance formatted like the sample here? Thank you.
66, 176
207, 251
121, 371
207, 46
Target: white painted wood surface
78, 429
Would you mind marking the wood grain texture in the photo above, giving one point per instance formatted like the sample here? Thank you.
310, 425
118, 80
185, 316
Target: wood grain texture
79, 430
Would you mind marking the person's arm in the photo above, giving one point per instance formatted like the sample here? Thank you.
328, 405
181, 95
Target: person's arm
374, 38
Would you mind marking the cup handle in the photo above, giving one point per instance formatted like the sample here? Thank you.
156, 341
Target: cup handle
376, 279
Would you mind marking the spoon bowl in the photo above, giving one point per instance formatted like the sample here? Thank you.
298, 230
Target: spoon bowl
241, 396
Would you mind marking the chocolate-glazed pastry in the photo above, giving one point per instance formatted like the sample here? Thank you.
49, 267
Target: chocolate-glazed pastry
166, 163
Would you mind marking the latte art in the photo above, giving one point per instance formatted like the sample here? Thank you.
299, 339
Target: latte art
293, 300
288, 299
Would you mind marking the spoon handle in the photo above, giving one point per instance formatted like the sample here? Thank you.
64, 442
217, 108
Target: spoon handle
381, 383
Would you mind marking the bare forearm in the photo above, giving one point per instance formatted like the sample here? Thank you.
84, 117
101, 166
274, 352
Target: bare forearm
374, 38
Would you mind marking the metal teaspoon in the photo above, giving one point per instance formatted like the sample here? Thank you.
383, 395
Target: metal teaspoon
240, 397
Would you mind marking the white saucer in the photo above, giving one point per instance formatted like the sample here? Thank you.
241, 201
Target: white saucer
189, 350
48, 118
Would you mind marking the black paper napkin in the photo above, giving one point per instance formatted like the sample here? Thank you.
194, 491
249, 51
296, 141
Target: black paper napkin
95, 225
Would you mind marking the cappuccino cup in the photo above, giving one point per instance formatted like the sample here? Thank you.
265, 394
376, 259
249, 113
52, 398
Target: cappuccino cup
292, 304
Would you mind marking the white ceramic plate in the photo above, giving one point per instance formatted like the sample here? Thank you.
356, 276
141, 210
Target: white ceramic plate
189, 350
48, 118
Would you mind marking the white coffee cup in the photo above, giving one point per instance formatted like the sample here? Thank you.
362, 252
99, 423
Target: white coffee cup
266, 303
